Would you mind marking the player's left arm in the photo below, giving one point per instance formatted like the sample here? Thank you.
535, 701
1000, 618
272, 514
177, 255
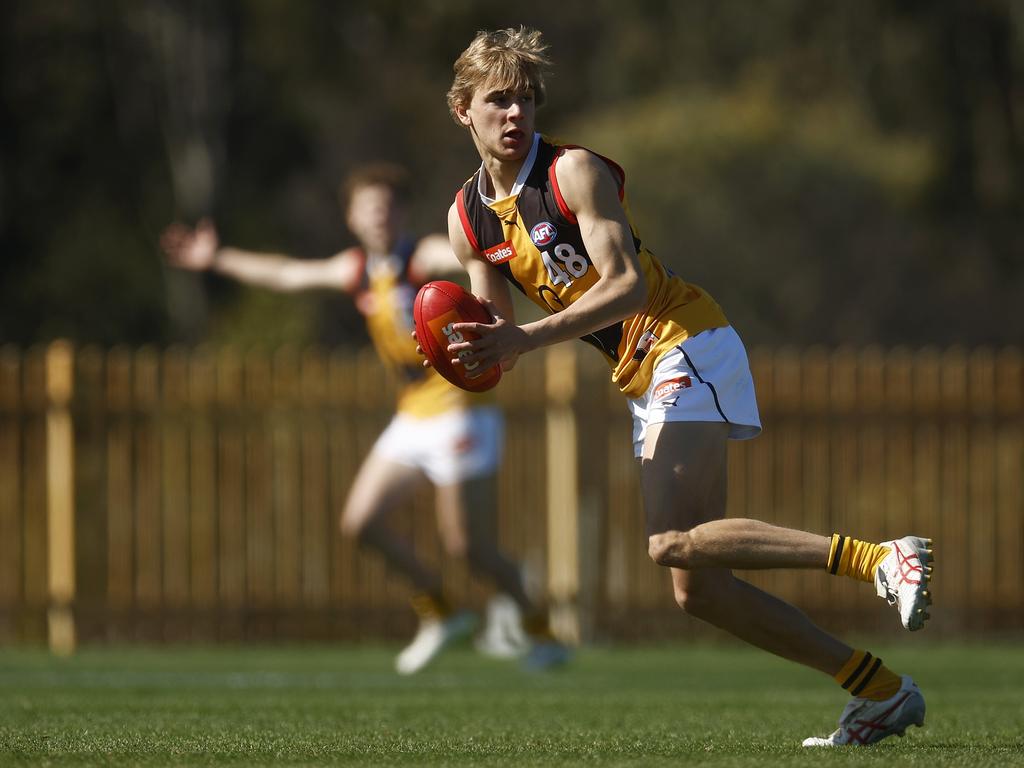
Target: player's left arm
591, 192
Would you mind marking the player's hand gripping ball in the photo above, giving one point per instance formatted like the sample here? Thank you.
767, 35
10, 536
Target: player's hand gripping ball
439, 305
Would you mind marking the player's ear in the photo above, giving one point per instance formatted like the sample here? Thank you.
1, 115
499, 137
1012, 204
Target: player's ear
462, 113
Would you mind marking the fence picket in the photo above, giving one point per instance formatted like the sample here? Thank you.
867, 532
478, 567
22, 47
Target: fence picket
208, 487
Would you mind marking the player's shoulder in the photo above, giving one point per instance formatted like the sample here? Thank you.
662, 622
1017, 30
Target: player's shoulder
581, 165
580, 174
573, 156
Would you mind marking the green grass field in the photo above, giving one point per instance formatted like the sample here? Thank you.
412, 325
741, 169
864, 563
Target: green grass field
704, 705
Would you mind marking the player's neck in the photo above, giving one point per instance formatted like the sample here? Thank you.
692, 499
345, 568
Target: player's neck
500, 176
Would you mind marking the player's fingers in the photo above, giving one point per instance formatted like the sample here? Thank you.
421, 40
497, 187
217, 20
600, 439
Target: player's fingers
478, 370
474, 358
480, 329
465, 347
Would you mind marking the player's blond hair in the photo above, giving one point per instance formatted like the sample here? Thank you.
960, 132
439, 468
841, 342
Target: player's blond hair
509, 59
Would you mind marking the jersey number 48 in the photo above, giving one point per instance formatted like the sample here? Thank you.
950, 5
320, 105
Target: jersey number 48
566, 265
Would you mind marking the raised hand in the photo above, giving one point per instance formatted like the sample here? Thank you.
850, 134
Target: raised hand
189, 248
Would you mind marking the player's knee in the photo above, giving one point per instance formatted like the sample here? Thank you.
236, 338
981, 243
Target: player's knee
696, 598
671, 548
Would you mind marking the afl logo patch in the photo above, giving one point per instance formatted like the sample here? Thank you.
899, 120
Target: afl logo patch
543, 233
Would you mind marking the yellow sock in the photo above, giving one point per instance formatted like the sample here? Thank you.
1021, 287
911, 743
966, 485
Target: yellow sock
852, 557
430, 607
866, 676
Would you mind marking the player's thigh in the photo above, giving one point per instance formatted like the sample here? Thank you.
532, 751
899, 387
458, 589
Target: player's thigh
467, 513
463, 468
683, 474
381, 485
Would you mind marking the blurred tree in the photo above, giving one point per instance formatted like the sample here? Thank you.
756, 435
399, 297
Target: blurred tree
831, 172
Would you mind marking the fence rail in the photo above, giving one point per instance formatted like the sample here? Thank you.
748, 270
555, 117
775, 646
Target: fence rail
193, 493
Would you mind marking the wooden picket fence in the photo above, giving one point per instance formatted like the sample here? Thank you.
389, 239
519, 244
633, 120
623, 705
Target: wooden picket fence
193, 494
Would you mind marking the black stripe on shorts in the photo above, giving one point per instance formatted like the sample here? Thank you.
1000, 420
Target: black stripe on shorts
708, 384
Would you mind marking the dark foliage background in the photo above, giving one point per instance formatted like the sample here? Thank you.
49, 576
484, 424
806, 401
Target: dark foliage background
831, 172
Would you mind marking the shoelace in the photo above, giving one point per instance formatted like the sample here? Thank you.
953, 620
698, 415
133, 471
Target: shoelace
892, 594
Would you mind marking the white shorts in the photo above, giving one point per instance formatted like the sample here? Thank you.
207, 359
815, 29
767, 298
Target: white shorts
448, 448
706, 378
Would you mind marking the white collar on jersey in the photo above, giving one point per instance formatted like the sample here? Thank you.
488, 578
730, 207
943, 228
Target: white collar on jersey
524, 174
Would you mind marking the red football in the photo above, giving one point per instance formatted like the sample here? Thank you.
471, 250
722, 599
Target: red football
438, 305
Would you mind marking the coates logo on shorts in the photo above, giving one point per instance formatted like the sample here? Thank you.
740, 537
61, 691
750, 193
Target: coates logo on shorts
543, 233
672, 386
500, 253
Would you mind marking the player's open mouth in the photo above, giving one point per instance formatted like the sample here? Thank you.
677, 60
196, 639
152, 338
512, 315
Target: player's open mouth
513, 137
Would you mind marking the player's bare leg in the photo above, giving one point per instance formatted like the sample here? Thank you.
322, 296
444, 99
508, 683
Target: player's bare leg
467, 520
683, 469
683, 477
380, 487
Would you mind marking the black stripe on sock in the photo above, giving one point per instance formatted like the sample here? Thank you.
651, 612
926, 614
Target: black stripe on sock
834, 568
867, 678
860, 668
708, 384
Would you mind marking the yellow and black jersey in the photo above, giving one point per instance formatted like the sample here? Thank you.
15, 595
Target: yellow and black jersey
534, 240
384, 295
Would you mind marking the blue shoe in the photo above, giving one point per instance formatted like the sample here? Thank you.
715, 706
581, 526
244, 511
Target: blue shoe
546, 654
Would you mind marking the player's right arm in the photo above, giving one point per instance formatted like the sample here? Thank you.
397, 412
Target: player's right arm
199, 249
485, 281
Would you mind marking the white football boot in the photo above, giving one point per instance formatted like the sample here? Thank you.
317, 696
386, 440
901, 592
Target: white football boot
903, 578
503, 636
434, 636
865, 721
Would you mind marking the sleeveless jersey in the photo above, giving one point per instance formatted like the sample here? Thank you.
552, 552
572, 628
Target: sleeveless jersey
384, 296
534, 240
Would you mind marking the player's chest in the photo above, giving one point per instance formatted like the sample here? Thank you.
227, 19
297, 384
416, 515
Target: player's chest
542, 253
386, 298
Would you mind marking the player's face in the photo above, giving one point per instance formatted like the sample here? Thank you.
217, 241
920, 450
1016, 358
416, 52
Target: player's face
374, 217
502, 121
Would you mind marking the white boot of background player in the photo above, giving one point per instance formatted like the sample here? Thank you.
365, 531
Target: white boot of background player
503, 636
434, 636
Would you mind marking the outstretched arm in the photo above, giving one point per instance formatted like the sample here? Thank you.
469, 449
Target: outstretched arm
433, 258
592, 194
199, 249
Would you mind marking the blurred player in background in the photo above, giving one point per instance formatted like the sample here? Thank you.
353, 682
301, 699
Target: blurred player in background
440, 433
551, 219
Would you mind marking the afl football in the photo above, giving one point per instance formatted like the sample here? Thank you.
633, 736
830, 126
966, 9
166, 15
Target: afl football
438, 306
